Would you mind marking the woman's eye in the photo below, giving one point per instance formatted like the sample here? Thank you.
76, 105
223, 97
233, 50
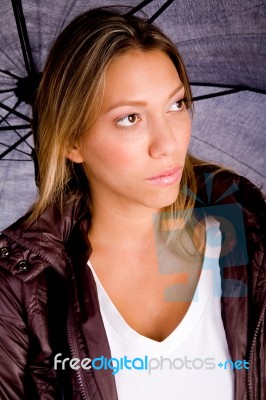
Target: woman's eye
128, 120
178, 105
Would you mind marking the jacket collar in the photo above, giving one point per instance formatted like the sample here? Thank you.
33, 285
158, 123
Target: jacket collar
49, 241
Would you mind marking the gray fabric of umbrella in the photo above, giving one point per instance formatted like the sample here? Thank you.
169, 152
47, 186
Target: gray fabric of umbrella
223, 45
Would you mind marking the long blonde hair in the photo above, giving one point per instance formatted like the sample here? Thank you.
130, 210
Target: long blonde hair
69, 99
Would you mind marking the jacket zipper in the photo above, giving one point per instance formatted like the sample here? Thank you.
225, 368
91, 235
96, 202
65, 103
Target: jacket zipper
83, 394
249, 379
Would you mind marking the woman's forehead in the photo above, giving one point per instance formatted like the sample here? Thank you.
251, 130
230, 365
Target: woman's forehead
140, 74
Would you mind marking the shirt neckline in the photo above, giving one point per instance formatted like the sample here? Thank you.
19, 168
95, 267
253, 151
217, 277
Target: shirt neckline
114, 321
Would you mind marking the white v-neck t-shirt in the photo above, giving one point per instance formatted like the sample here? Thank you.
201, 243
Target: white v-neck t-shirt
184, 366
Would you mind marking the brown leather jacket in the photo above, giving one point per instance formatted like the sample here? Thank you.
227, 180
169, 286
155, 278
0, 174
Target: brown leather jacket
49, 305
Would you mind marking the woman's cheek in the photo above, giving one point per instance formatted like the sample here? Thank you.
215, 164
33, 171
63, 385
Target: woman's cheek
110, 155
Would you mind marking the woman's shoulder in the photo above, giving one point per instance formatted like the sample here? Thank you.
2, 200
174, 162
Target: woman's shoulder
217, 183
28, 249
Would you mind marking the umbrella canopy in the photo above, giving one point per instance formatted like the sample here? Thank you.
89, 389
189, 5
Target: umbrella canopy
224, 48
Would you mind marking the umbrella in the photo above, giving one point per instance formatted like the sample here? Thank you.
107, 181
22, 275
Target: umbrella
224, 48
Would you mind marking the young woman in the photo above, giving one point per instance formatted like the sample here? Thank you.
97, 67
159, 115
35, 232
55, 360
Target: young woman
138, 273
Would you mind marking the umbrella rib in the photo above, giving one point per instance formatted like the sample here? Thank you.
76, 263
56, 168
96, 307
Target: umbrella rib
7, 115
18, 114
217, 94
13, 129
10, 74
240, 88
7, 90
14, 159
23, 36
20, 151
160, 11
13, 147
145, 3
139, 7
221, 85
8, 97
11, 60
229, 155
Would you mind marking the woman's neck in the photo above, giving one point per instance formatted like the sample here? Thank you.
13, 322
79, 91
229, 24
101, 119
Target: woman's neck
129, 229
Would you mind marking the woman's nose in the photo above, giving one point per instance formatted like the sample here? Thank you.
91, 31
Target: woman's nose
163, 138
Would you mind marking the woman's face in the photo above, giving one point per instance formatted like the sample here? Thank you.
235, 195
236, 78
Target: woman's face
135, 152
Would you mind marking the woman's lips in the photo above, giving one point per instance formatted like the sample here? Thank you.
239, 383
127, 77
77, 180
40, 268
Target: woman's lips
167, 177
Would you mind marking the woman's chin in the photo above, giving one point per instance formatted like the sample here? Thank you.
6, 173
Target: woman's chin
165, 198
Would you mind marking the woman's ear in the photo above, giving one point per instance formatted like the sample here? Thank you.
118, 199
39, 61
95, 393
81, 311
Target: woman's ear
75, 155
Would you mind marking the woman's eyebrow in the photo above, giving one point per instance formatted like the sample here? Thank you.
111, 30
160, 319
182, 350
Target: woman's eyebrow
126, 103
139, 102
177, 90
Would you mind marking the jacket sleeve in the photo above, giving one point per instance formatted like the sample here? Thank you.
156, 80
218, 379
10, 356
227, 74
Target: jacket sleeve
26, 361
14, 342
